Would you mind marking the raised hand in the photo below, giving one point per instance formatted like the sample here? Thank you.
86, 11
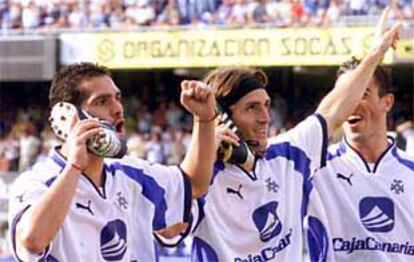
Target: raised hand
198, 99
81, 131
386, 37
224, 133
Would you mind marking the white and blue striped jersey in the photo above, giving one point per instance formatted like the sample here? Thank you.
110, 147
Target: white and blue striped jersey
257, 216
360, 211
112, 223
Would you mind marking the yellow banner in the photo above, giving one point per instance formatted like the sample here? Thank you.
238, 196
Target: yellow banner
405, 50
220, 47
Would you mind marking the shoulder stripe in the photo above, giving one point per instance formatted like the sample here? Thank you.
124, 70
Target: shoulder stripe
301, 164
406, 162
150, 189
293, 153
218, 166
339, 152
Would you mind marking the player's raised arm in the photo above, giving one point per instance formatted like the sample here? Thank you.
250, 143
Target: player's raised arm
42, 220
351, 86
199, 100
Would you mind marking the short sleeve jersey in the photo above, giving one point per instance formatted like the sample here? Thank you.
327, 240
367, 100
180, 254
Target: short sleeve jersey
360, 211
257, 215
111, 223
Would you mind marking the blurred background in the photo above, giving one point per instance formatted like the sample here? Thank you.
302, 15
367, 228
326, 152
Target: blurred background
152, 45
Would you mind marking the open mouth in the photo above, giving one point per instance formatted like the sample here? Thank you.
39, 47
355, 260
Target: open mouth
352, 120
119, 127
262, 132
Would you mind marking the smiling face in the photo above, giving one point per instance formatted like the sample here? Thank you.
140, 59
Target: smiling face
251, 115
369, 120
103, 100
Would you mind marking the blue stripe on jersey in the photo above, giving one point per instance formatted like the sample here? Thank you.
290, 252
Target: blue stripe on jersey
324, 125
301, 164
318, 241
58, 159
51, 258
50, 181
403, 161
200, 204
218, 166
150, 189
13, 229
339, 151
202, 252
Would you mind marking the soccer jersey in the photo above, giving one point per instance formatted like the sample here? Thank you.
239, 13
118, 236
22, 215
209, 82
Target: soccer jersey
360, 211
257, 216
112, 223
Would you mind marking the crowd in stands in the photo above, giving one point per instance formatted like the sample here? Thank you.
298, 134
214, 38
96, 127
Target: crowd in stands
160, 135
131, 14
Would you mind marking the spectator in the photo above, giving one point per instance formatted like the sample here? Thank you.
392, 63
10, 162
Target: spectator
141, 13
154, 148
143, 119
76, 16
224, 13
170, 15
118, 18
30, 16
14, 16
11, 150
136, 146
174, 115
297, 13
261, 13
406, 130
176, 148
159, 117
240, 14
30, 146
99, 18
333, 13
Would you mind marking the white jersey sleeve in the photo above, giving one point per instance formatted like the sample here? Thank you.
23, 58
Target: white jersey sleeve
309, 137
25, 192
167, 187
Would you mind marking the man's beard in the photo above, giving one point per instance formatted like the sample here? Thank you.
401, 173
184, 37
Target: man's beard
257, 149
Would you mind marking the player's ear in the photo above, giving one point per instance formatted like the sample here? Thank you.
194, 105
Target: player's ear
388, 102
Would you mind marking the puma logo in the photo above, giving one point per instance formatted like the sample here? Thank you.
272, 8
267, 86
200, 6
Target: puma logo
236, 192
20, 198
88, 207
347, 179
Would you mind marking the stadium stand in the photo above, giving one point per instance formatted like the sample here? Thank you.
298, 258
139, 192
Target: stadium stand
130, 14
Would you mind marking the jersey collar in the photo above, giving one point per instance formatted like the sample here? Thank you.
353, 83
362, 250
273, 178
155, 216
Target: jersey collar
61, 161
358, 160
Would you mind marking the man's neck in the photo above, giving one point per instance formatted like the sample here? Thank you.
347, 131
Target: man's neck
94, 168
371, 148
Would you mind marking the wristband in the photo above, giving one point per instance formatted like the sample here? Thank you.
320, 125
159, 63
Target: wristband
207, 120
76, 166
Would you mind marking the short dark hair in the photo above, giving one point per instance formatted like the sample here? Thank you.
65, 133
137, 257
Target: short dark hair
381, 75
66, 83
